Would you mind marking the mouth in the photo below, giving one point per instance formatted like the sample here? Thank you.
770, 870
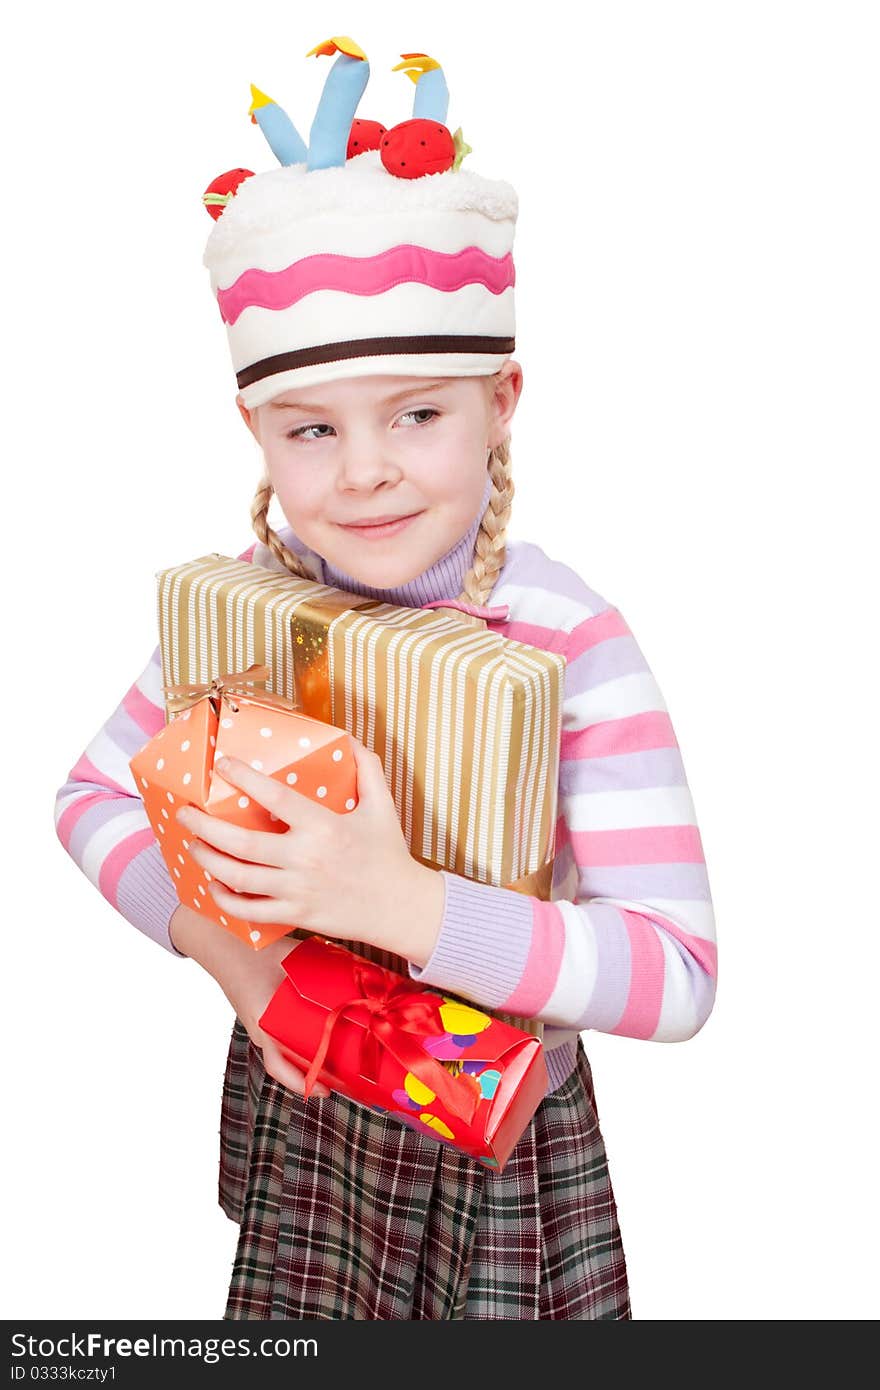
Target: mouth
377, 530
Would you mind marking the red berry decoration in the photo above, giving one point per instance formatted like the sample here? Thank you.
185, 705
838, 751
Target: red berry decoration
364, 135
224, 187
417, 147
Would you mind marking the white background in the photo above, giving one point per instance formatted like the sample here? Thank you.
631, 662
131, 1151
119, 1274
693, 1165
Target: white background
697, 321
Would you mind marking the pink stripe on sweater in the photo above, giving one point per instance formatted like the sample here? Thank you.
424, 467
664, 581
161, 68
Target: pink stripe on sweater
633, 734
704, 952
148, 717
542, 967
647, 972
85, 771
69, 817
643, 844
594, 630
118, 860
366, 275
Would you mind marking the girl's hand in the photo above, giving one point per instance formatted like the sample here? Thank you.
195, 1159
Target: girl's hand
349, 876
248, 979
249, 985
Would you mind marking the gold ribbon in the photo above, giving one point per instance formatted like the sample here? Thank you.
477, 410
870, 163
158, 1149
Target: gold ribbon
232, 683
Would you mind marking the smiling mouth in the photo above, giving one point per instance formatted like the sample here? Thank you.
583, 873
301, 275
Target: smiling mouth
383, 528
379, 520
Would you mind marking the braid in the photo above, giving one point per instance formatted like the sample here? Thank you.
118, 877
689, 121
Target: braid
270, 538
489, 546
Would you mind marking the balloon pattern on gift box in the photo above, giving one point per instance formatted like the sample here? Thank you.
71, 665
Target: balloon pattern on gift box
461, 1020
436, 1125
464, 1025
175, 768
415, 1095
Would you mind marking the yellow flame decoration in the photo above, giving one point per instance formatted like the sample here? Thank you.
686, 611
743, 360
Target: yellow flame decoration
259, 99
340, 43
415, 65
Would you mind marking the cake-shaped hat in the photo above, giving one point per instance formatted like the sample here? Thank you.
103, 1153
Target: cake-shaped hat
370, 250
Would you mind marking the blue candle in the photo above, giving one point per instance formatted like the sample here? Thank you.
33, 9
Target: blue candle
343, 89
431, 99
284, 139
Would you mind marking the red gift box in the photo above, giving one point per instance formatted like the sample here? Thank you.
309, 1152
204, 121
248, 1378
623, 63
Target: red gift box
431, 1061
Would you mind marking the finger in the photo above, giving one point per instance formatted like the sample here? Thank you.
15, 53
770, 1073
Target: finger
236, 875
266, 909
290, 805
253, 846
370, 774
368, 764
285, 1071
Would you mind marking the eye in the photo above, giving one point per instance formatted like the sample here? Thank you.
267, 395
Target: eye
300, 432
423, 410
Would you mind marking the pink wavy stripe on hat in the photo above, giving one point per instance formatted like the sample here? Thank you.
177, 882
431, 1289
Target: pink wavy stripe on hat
442, 270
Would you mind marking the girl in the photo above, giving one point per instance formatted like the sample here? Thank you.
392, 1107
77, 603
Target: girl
321, 270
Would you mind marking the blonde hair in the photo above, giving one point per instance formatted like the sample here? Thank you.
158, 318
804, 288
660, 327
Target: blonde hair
489, 545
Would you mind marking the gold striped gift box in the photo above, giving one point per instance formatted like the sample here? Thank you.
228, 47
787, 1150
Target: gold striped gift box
467, 722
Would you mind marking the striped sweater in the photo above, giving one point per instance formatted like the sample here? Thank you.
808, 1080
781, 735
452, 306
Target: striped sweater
626, 945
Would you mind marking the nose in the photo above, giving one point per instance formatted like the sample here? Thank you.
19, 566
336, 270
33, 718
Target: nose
364, 464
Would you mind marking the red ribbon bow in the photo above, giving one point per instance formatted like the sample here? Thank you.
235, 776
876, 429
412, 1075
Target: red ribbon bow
396, 1015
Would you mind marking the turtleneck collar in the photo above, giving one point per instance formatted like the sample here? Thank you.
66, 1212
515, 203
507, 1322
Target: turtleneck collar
442, 580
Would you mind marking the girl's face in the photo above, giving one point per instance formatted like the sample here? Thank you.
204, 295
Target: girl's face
368, 447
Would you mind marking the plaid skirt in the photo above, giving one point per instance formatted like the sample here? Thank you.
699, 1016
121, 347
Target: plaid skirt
345, 1214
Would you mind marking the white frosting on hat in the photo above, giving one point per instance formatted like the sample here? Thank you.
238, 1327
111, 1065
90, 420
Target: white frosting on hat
266, 204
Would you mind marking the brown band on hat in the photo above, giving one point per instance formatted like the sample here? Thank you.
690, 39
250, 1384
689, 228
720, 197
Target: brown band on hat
370, 347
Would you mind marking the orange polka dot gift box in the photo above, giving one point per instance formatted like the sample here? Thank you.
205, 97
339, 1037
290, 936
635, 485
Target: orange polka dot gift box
435, 1063
230, 717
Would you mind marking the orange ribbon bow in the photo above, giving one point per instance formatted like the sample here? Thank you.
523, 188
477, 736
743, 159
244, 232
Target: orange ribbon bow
396, 1015
232, 683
